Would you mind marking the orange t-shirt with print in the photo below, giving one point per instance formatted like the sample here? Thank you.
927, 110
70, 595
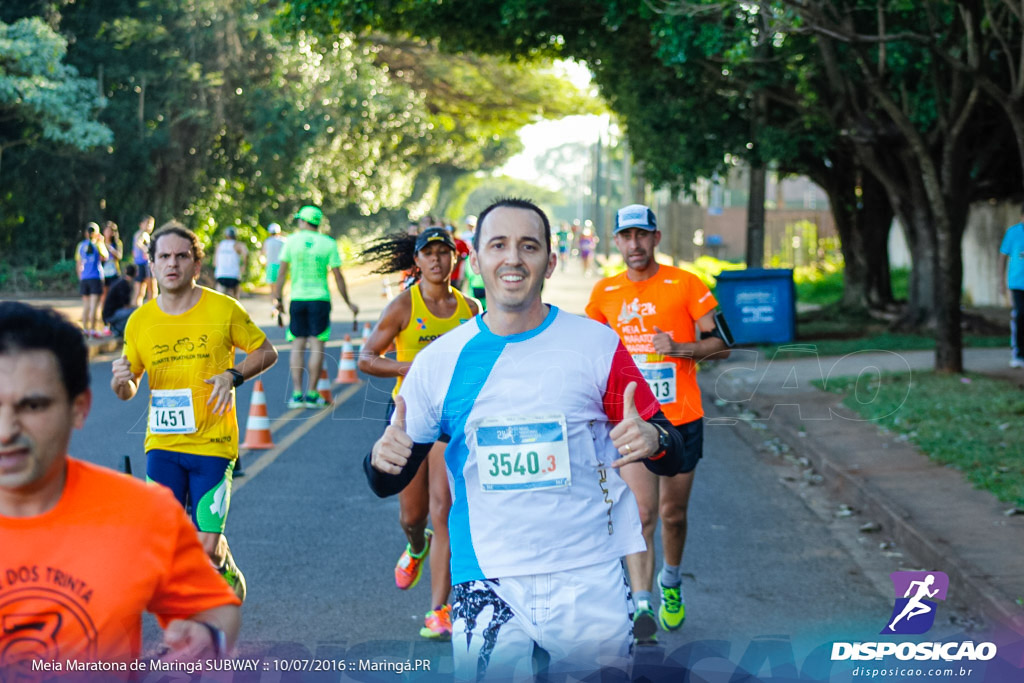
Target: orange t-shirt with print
672, 300
75, 580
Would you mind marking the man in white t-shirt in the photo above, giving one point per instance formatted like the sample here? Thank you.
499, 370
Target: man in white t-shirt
540, 517
229, 261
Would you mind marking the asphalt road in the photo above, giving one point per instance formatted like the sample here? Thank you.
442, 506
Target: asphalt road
768, 577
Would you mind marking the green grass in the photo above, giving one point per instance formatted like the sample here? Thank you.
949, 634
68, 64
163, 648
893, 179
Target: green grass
972, 423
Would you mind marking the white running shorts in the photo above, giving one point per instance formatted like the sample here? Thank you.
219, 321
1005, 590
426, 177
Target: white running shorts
582, 618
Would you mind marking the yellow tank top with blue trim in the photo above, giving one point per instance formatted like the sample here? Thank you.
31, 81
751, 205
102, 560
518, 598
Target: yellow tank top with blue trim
424, 327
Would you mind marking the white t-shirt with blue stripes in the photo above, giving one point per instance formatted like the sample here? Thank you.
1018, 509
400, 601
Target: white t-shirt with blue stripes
529, 417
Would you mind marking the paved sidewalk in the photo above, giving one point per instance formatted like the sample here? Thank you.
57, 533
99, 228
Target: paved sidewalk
930, 510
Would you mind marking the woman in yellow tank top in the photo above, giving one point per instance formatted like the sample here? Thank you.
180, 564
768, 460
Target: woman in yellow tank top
412, 320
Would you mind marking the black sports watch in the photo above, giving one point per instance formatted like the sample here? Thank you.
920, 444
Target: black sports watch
238, 377
664, 442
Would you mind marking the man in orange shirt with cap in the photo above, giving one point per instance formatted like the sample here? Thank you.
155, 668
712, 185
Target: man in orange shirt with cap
657, 311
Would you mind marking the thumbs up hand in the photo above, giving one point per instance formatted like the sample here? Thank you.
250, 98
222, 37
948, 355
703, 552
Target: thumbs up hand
392, 450
663, 343
633, 438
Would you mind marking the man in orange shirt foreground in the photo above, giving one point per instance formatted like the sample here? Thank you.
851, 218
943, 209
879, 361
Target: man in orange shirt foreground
84, 550
657, 311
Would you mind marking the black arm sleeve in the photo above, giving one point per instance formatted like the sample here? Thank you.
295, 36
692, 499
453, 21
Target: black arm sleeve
676, 460
384, 484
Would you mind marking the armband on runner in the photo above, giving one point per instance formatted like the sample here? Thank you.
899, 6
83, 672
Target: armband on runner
721, 330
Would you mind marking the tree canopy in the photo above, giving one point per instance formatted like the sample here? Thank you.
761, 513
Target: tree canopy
43, 99
206, 111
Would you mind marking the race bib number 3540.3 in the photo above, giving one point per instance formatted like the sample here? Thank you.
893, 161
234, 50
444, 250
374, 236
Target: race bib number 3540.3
522, 453
171, 412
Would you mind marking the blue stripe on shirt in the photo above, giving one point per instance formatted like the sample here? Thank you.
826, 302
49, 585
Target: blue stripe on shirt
476, 361
474, 365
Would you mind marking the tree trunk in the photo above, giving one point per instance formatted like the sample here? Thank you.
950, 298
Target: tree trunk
875, 223
920, 310
755, 217
897, 174
949, 345
863, 222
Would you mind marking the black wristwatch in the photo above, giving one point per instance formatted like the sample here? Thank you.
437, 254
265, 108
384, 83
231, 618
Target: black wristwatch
664, 441
238, 377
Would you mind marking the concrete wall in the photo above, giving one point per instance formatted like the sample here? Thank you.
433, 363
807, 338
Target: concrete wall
985, 229
986, 226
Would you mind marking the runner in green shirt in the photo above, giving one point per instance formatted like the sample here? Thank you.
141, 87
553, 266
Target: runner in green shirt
307, 258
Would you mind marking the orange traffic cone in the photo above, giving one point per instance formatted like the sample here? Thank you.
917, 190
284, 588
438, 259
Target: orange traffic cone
367, 330
257, 426
347, 367
323, 386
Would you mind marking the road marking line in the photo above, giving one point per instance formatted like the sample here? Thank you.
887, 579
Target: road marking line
273, 454
285, 419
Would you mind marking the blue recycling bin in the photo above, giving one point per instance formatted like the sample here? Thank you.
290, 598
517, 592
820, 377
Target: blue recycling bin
759, 304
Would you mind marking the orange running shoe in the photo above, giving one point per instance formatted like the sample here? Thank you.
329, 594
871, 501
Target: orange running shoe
438, 624
409, 567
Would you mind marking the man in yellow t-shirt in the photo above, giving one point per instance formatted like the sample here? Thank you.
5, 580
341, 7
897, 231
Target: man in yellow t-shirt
186, 340
656, 311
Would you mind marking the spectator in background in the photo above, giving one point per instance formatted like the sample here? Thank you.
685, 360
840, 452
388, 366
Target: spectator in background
1011, 262
119, 304
145, 286
229, 261
270, 253
89, 257
587, 243
564, 237
115, 251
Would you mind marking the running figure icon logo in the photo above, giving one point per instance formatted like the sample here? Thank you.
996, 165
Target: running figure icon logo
630, 312
916, 593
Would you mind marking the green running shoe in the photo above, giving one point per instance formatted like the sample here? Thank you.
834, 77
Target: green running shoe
645, 627
296, 401
315, 401
672, 612
233, 575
